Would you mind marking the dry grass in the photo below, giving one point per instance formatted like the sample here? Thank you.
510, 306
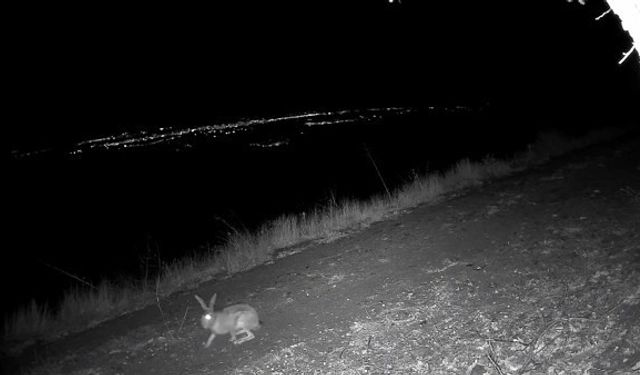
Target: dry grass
82, 308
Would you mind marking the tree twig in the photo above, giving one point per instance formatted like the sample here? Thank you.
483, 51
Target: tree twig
603, 14
69, 274
532, 348
378, 172
491, 356
184, 318
626, 54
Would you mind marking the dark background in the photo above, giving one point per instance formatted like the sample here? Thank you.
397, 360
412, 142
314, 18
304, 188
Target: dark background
80, 71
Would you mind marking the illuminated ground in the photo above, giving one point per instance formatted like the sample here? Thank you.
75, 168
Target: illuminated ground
535, 273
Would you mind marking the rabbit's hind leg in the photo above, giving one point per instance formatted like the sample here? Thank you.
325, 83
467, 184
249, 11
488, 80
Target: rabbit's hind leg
248, 337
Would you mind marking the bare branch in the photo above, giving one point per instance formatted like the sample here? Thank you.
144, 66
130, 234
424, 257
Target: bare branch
69, 274
603, 14
628, 11
626, 54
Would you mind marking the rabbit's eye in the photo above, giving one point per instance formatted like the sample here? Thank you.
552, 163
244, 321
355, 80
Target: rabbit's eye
207, 316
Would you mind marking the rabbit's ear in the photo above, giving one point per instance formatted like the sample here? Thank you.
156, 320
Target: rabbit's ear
204, 306
213, 300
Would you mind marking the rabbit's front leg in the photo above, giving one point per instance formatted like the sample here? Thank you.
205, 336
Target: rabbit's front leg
211, 337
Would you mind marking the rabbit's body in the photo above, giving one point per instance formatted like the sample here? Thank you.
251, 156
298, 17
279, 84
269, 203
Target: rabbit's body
234, 320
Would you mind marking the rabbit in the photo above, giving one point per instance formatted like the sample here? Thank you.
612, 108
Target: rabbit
235, 319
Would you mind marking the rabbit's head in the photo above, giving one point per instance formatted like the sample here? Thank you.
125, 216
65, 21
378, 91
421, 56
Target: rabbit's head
209, 316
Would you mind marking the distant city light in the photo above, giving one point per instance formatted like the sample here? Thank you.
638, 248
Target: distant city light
180, 137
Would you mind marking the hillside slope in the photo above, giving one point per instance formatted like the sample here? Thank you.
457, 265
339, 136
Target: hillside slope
526, 274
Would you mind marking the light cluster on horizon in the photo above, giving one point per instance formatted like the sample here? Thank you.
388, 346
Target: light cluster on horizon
180, 137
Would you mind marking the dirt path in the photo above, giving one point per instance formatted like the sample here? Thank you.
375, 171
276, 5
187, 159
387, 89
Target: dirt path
535, 273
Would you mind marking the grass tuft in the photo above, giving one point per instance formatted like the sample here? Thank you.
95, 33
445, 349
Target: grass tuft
28, 321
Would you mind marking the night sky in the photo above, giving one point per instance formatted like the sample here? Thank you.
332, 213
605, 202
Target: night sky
85, 69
